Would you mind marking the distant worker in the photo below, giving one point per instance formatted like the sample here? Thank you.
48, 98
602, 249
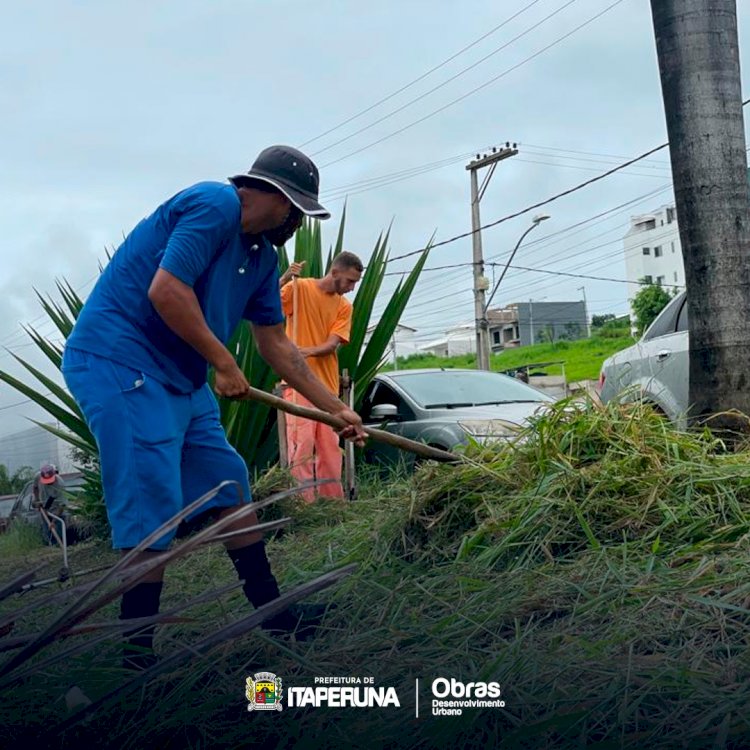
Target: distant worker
49, 489
318, 321
48, 493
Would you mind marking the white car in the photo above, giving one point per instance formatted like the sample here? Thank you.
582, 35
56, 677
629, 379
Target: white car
656, 369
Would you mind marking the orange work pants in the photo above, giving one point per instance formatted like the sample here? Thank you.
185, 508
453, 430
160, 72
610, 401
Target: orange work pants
314, 452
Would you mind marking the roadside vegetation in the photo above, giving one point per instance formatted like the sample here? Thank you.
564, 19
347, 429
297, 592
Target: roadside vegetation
583, 358
597, 570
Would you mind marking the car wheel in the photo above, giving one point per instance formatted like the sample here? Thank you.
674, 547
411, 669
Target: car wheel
656, 409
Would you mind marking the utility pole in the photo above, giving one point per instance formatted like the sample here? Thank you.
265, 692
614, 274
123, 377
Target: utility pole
585, 311
481, 283
531, 319
697, 47
535, 222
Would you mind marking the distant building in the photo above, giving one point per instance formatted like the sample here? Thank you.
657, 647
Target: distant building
653, 251
458, 339
402, 342
519, 324
33, 447
551, 321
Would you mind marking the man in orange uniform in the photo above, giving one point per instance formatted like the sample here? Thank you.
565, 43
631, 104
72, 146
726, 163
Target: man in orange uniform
323, 322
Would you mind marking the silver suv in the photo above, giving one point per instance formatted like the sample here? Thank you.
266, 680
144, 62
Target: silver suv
656, 369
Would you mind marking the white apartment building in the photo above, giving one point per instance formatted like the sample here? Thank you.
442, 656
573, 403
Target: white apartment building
402, 345
33, 447
653, 251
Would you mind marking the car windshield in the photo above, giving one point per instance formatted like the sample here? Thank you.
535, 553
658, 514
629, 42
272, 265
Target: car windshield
452, 389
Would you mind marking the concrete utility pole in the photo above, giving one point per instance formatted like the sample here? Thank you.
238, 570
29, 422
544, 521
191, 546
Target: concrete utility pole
531, 320
696, 42
481, 283
585, 311
535, 222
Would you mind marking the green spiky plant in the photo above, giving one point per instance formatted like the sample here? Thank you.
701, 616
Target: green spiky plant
251, 427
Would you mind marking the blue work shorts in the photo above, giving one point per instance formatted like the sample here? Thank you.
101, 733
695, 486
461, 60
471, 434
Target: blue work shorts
159, 450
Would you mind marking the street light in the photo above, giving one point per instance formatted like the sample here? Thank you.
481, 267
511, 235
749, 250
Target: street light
535, 222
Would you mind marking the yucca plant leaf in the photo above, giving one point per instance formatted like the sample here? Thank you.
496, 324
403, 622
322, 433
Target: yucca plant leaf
373, 356
70, 297
363, 304
334, 251
58, 391
51, 351
71, 421
56, 314
84, 445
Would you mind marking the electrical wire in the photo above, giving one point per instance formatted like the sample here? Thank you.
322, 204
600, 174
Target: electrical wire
423, 76
446, 82
478, 88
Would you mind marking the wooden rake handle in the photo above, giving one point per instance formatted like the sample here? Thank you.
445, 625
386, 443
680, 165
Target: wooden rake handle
426, 451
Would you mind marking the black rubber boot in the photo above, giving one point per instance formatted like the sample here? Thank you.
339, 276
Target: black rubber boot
138, 645
260, 587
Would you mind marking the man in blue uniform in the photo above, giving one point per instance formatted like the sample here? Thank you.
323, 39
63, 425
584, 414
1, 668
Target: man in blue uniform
137, 362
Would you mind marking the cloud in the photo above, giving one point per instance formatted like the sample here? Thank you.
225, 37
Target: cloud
125, 108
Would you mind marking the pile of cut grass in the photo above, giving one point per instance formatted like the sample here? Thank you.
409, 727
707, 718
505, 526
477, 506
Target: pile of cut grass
598, 570
583, 478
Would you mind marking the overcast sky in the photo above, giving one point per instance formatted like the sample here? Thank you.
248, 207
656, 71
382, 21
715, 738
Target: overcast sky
111, 107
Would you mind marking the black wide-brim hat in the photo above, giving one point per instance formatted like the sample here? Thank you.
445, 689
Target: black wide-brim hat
291, 172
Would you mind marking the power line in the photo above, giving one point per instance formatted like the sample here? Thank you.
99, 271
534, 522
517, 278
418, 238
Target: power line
421, 77
620, 208
20, 335
562, 256
586, 276
586, 169
544, 242
534, 206
587, 153
344, 192
403, 172
376, 183
446, 82
478, 88
648, 164
569, 272
20, 403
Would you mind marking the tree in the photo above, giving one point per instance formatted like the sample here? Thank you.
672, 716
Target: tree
572, 331
697, 47
597, 321
647, 304
546, 335
12, 484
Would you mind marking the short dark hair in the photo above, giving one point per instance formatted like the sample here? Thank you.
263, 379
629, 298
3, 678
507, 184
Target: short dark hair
346, 259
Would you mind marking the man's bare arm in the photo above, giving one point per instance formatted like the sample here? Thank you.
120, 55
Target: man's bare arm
327, 347
178, 307
284, 357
